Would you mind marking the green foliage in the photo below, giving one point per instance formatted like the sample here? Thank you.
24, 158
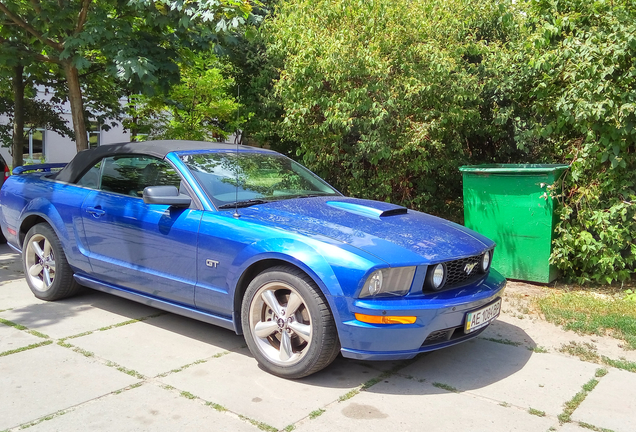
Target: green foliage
386, 99
584, 54
200, 107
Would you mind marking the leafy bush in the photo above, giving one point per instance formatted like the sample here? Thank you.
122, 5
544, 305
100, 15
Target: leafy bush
384, 98
585, 53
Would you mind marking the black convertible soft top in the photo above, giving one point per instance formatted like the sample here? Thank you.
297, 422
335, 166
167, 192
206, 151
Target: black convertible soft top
85, 159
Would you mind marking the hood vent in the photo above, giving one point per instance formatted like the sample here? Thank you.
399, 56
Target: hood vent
368, 211
394, 212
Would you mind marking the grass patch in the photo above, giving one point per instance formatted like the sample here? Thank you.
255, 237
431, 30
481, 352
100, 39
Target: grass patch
503, 341
539, 349
594, 428
165, 374
536, 412
505, 404
289, 428
317, 413
585, 313
262, 426
573, 404
79, 335
588, 352
28, 347
447, 387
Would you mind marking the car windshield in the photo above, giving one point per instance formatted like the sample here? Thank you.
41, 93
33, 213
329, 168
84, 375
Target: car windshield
260, 177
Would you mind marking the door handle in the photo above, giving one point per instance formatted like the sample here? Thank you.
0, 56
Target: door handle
95, 211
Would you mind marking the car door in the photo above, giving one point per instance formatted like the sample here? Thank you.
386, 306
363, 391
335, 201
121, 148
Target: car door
149, 248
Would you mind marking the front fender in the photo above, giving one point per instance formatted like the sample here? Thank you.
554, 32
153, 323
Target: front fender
336, 270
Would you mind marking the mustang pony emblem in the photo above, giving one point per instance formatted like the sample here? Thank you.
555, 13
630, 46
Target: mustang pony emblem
469, 268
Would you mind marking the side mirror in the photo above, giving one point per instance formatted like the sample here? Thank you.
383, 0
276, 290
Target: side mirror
166, 195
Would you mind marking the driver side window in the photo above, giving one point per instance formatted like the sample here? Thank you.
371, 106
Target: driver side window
129, 175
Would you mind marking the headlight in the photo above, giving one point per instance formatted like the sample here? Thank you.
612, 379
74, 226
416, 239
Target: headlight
388, 282
486, 259
435, 277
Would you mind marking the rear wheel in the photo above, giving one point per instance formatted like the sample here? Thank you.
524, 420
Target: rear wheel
45, 266
287, 323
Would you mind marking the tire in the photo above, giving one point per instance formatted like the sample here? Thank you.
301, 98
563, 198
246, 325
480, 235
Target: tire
289, 346
45, 266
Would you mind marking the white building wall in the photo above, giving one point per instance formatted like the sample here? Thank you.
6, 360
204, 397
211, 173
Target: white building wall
58, 148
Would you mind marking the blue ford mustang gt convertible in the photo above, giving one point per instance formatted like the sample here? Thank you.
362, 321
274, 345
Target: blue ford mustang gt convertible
250, 240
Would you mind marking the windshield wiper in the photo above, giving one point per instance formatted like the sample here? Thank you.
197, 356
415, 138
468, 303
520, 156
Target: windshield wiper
242, 204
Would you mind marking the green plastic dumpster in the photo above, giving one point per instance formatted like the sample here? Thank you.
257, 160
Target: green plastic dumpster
511, 204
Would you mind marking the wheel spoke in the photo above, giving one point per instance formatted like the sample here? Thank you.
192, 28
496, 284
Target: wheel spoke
46, 277
262, 329
38, 251
293, 303
285, 347
51, 266
270, 300
35, 269
303, 331
47, 248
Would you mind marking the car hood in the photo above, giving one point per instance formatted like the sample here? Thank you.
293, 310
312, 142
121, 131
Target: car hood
390, 232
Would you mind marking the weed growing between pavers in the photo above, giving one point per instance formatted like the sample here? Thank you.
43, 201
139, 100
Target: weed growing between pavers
216, 406
594, 428
539, 349
165, 374
502, 341
575, 402
317, 413
130, 372
447, 387
588, 352
23, 328
45, 418
536, 412
262, 426
28, 347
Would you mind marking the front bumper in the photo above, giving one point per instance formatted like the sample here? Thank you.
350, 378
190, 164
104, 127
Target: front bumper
439, 321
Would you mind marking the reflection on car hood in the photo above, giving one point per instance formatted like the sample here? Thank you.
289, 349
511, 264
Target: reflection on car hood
382, 229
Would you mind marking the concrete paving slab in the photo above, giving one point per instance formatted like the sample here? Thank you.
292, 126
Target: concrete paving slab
11, 338
44, 380
87, 311
147, 408
10, 264
237, 383
612, 404
160, 344
506, 373
16, 293
405, 405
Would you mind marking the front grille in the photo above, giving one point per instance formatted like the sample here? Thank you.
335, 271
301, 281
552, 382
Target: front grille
460, 272
457, 271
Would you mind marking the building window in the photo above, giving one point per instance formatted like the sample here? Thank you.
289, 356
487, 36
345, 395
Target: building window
94, 135
34, 146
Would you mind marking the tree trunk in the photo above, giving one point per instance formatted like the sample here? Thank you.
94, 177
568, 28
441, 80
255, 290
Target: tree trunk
77, 105
17, 148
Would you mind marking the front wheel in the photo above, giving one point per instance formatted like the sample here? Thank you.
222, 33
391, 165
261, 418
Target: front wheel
287, 323
47, 272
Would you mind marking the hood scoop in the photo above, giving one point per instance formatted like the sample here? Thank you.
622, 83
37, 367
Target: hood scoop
383, 210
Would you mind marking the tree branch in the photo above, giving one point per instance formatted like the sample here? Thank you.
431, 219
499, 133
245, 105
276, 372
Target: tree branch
20, 22
36, 6
81, 18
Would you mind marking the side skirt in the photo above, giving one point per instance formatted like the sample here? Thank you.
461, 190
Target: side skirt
157, 303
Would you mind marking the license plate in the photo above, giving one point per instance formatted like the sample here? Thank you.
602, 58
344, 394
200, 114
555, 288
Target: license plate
482, 317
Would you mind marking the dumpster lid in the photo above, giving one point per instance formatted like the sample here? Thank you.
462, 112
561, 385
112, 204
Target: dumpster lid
514, 168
